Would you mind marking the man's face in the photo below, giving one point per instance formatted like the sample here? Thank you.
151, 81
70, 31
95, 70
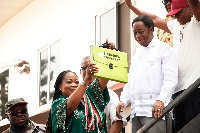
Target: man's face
18, 115
184, 15
142, 34
167, 4
84, 65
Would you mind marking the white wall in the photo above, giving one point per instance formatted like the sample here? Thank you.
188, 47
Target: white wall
23, 35
28, 31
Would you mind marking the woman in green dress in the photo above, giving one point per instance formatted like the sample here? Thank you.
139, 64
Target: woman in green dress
78, 108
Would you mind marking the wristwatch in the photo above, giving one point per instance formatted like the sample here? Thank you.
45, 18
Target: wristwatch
83, 84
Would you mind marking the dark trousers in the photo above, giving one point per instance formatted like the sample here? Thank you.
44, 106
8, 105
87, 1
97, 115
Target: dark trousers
186, 110
139, 121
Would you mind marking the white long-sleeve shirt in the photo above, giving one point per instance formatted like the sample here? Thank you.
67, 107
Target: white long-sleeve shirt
110, 110
153, 75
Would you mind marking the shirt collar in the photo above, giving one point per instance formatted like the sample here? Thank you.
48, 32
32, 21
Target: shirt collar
32, 124
152, 43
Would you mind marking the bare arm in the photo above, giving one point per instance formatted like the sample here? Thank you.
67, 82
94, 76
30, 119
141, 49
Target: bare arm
103, 83
158, 22
76, 97
116, 127
195, 7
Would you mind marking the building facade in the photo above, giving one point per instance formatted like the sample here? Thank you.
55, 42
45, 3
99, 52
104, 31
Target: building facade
47, 37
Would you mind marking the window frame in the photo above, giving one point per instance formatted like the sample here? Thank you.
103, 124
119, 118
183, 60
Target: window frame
7, 83
102, 11
47, 46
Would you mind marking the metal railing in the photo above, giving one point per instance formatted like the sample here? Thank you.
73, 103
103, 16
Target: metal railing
169, 107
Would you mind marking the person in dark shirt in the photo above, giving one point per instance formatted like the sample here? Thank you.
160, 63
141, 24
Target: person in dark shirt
17, 114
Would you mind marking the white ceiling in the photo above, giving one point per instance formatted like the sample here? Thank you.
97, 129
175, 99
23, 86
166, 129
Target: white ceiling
9, 8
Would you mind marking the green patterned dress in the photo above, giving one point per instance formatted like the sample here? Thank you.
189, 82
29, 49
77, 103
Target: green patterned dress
96, 100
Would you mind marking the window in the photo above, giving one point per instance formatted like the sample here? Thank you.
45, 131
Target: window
4, 85
113, 21
106, 24
49, 68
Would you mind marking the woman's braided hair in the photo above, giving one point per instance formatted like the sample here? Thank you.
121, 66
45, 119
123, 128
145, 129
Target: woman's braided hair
56, 95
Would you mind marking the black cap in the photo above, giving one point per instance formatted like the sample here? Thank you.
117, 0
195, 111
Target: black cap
13, 102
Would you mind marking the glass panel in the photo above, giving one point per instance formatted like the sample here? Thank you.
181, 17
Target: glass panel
43, 76
54, 66
107, 27
4, 84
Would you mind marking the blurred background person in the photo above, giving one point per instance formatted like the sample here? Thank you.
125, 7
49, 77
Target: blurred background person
163, 35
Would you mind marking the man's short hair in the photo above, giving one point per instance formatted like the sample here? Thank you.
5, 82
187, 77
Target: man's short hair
148, 22
86, 57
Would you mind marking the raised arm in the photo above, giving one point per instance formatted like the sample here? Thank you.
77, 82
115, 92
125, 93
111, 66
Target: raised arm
158, 22
103, 83
76, 97
195, 7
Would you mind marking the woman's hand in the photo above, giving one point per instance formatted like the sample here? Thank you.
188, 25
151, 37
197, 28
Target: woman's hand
91, 69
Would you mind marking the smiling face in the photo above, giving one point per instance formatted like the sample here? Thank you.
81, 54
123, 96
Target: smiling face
143, 35
18, 116
69, 84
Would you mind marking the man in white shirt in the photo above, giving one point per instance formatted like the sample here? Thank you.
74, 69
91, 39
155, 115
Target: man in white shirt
186, 41
114, 124
153, 76
111, 116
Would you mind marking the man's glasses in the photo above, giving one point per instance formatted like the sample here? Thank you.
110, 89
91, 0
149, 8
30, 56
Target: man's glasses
166, 1
84, 68
15, 113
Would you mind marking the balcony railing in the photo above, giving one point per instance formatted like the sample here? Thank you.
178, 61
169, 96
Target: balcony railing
169, 107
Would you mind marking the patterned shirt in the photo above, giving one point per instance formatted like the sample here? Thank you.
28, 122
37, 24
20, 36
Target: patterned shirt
165, 36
